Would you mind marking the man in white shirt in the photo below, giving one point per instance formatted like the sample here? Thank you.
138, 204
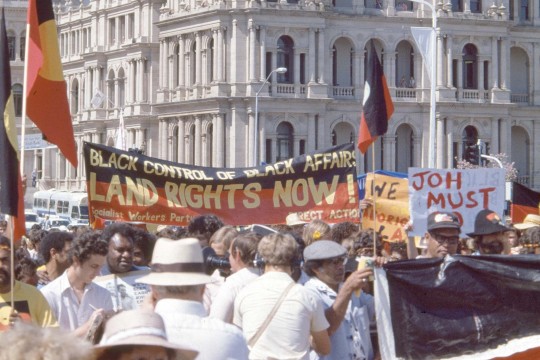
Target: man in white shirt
74, 299
284, 333
177, 279
241, 256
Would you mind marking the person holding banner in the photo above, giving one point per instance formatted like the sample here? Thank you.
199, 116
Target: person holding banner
442, 236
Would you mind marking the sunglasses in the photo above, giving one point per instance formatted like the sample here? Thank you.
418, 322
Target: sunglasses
441, 239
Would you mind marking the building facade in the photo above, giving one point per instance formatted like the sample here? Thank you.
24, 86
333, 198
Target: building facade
196, 83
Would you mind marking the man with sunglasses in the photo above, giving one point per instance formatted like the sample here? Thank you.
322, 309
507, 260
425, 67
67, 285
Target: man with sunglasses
442, 236
348, 310
489, 233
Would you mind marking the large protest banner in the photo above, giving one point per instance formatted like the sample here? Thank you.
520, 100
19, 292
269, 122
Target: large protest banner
133, 187
459, 191
391, 198
459, 307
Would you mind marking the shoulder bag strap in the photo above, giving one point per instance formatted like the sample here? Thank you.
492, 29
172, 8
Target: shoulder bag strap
270, 316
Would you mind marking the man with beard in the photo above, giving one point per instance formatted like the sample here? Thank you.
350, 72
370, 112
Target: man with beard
489, 233
119, 268
29, 303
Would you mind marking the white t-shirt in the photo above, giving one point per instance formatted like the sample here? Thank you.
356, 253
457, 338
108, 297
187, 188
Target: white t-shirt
287, 335
223, 305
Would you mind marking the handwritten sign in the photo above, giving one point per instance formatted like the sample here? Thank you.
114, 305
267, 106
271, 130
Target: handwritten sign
391, 198
459, 191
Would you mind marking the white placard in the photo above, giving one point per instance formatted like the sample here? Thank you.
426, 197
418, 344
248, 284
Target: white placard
463, 192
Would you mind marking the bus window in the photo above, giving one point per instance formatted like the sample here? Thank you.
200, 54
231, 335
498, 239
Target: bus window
74, 212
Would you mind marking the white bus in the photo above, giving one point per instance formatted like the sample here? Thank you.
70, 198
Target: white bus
72, 206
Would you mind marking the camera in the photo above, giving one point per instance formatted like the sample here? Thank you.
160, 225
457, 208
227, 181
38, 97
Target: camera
214, 262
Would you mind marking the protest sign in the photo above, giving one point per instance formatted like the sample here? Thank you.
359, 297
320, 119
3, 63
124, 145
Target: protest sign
126, 293
391, 198
463, 192
133, 187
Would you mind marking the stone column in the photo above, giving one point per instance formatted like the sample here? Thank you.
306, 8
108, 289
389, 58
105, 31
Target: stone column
198, 59
505, 145
252, 146
440, 142
262, 40
296, 66
440, 57
504, 61
449, 142
220, 57
494, 62
449, 62
322, 56
495, 135
460, 74
215, 56
480, 74
181, 61
312, 55
252, 51
162, 148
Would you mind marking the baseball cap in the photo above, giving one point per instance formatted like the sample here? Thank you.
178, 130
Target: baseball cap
442, 220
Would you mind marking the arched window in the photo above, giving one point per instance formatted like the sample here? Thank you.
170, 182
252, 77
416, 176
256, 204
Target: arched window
524, 10
210, 61
176, 68
121, 88
469, 137
191, 154
342, 63
404, 65
175, 145
209, 144
193, 63
75, 96
285, 58
470, 67
17, 90
476, 6
520, 153
378, 49
11, 45
457, 5
22, 46
404, 148
343, 133
284, 146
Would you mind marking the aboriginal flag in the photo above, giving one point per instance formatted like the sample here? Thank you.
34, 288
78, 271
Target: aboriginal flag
47, 103
377, 103
11, 192
524, 201
459, 307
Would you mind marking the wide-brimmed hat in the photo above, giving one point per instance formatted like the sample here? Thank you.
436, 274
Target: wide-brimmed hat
530, 221
487, 222
139, 328
176, 263
294, 219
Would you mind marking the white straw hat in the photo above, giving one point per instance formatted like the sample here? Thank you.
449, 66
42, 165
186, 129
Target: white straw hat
530, 221
293, 219
176, 263
139, 328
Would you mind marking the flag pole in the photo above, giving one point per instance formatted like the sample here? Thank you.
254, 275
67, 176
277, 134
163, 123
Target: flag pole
374, 202
25, 80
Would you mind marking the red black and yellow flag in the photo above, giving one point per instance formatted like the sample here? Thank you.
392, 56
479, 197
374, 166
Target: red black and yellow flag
524, 201
47, 103
11, 193
377, 103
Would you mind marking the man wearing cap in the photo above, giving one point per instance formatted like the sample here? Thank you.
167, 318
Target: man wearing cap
442, 236
348, 309
489, 233
178, 280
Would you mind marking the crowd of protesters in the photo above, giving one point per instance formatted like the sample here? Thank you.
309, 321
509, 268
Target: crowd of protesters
301, 290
